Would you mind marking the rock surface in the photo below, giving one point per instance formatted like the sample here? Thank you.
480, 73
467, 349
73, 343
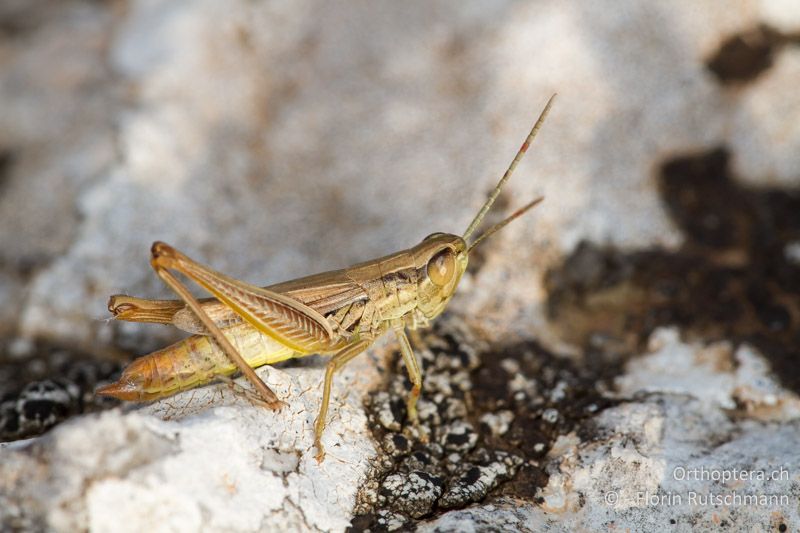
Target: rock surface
645, 316
201, 460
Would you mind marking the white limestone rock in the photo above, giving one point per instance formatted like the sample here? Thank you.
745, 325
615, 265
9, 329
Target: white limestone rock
219, 464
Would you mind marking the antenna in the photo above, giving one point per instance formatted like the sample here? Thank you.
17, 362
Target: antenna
497, 227
488, 205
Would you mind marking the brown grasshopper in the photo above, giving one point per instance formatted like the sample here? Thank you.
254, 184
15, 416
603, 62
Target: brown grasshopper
338, 313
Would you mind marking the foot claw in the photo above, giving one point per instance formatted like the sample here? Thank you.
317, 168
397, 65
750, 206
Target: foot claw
272, 405
277, 406
320, 455
421, 435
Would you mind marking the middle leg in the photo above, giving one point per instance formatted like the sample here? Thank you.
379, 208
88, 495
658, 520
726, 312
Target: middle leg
336, 362
414, 373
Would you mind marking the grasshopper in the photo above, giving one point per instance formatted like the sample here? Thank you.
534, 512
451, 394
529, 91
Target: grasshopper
339, 313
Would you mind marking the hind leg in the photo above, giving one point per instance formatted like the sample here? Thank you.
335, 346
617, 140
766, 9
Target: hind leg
161, 261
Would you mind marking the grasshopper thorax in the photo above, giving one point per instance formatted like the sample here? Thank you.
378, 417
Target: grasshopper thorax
440, 260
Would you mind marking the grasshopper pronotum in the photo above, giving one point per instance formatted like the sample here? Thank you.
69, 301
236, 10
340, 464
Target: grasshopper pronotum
339, 313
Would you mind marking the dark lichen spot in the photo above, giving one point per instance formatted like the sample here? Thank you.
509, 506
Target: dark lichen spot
692, 188
398, 407
6, 165
47, 386
422, 457
744, 56
400, 442
731, 279
20, 19
429, 478
457, 439
472, 475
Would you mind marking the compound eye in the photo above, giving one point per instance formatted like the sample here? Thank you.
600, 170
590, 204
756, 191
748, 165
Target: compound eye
441, 267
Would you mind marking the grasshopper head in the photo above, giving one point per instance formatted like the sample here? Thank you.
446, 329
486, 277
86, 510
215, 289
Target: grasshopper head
440, 259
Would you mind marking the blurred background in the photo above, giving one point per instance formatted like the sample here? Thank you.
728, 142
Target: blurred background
277, 139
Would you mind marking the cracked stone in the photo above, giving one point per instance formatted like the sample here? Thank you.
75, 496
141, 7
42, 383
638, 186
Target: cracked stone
413, 494
476, 481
